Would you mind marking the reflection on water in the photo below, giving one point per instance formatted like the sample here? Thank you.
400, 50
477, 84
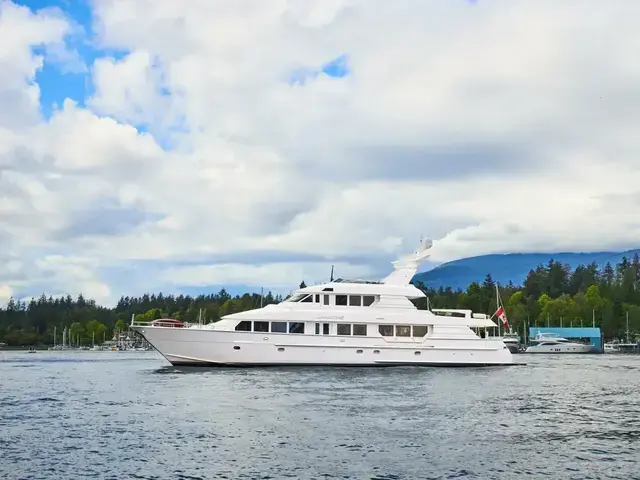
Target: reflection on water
129, 415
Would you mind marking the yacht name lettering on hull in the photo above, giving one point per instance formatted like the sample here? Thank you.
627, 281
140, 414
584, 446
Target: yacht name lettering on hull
330, 317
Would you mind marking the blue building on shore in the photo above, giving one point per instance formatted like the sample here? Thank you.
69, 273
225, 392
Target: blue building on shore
587, 334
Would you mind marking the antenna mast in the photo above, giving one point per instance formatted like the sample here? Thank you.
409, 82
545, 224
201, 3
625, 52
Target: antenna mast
331, 279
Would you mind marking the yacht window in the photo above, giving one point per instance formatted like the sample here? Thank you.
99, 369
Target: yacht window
326, 299
307, 299
325, 329
355, 300
327, 289
360, 330
317, 329
386, 330
244, 326
344, 329
317, 299
403, 331
419, 330
296, 327
341, 299
368, 300
297, 297
279, 327
260, 326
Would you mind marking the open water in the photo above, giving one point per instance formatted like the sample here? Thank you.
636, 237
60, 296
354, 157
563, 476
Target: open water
117, 415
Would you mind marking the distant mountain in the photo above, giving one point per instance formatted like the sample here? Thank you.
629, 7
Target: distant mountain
508, 267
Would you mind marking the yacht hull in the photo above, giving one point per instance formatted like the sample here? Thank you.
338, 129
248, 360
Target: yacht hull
199, 347
513, 347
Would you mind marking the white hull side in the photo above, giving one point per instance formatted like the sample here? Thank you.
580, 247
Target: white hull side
183, 346
560, 348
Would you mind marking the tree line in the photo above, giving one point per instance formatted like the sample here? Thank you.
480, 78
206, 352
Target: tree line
552, 294
556, 295
34, 322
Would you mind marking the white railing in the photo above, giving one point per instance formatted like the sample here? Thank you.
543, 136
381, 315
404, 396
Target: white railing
159, 324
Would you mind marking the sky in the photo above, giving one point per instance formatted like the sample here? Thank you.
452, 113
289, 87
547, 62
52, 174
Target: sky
187, 145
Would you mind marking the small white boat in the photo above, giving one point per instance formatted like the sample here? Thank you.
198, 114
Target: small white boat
31, 350
612, 347
553, 343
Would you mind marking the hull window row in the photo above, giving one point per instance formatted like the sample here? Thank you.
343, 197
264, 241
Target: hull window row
403, 330
352, 329
273, 327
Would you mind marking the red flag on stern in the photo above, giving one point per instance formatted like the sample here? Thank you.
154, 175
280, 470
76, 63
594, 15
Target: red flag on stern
500, 313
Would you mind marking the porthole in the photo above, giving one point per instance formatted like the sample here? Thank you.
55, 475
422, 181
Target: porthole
376, 351
236, 347
281, 349
358, 351
416, 352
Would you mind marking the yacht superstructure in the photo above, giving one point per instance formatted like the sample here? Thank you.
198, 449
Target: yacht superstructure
343, 322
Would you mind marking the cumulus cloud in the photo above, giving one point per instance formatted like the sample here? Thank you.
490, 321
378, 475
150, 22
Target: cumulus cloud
220, 142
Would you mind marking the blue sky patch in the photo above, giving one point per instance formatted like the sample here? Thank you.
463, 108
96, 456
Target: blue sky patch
68, 76
336, 68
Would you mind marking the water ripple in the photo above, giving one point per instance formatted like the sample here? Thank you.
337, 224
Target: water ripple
113, 415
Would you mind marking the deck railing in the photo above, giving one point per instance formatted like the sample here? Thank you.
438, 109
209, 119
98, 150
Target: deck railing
165, 324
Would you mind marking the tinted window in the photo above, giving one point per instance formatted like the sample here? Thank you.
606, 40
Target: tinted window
308, 299
386, 330
368, 300
279, 327
341, 299
317, 299
355, 300
317, 329
325, 329
403, 331
326, 299
360, 330
260, 326
244, 326
296, 327
419, 330
344, 329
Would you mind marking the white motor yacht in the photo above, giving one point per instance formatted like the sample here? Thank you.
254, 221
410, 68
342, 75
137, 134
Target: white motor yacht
343, 322
553, 343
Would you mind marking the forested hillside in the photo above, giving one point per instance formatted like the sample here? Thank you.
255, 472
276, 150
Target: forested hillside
33, 323
552, 293
508, 267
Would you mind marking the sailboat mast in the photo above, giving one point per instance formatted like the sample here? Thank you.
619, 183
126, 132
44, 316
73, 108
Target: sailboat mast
627, 326
498, 305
